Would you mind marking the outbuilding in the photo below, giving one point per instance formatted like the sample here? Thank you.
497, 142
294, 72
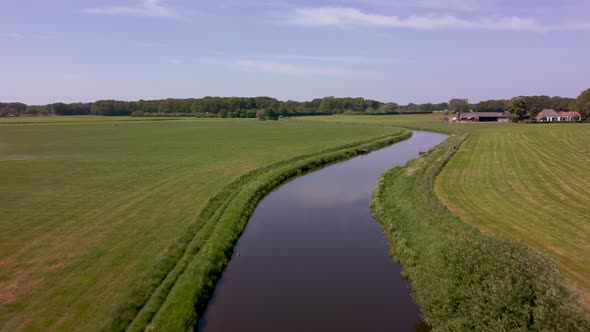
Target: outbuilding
482, 117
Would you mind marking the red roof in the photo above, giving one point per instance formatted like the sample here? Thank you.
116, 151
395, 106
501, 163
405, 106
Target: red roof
570, 114
547, 113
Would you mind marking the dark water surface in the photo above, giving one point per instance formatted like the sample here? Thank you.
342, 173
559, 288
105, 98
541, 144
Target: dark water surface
313, 259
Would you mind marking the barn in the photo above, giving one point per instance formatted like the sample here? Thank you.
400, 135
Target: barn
482, 117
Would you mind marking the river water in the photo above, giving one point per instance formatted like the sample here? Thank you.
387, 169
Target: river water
312, 258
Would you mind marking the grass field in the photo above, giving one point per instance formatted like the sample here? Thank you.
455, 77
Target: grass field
530, 182
462, 279
87, 206
76, 119
526, 181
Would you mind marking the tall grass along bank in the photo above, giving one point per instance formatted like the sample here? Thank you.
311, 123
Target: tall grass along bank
173, 295
463, 279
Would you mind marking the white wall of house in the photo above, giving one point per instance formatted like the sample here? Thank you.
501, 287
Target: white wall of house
557, 119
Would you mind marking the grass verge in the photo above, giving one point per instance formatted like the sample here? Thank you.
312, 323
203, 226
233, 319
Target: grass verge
463, 279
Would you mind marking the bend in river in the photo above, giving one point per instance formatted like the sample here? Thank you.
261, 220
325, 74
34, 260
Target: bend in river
312, 258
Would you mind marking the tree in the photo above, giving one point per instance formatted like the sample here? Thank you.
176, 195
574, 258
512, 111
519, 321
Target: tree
328, 104
271, 114
387, 108
490, 106
582, 104
458, 105
517, 108
261, 115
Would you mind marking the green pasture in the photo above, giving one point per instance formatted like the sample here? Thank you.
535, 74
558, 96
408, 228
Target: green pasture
463, 279
530, 182
88, 206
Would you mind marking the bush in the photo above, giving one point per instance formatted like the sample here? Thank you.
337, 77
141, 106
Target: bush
261, 115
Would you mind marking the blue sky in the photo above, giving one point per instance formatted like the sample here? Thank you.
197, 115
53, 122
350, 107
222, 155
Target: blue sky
402, 51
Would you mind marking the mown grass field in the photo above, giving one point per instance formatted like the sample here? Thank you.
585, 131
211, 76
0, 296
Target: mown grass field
530, 182
87, 205
525, 181
465, 280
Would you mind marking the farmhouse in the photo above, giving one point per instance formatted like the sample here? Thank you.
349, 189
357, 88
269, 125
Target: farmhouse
550, 115
482, 117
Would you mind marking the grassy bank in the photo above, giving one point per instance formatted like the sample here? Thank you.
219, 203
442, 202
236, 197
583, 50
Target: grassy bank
88, 207
188, 295
463, 279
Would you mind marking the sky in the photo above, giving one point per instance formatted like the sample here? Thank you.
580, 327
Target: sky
401, 51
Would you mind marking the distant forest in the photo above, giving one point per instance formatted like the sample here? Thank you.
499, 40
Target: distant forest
245, 107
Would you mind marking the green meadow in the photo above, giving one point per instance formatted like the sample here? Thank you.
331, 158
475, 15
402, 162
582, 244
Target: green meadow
90, 205
462, 278
111, 223
529, 182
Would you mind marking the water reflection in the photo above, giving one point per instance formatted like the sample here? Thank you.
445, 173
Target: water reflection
312, 258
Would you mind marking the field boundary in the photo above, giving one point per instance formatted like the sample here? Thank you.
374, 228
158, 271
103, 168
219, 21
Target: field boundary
174, 292
461, 278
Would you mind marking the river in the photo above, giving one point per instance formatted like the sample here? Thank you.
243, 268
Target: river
312, 258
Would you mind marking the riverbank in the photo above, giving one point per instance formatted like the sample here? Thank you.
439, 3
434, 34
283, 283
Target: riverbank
463, 279
312, 257
174, 294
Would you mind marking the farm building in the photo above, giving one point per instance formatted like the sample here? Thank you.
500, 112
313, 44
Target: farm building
482, 117
550, 115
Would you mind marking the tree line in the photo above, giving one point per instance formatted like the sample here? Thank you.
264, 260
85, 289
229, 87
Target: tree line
535, 104
267, 107
221, 107
16, 109
523, 106
520, 107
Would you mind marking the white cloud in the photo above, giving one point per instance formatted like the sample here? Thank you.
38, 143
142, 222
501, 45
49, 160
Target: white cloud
455, 5
361, 60
11, 35
351, 17
283, 68
465, 5
147, 8
148, 45
302, 57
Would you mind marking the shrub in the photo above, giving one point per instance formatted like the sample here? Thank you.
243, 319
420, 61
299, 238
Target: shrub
261, 115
